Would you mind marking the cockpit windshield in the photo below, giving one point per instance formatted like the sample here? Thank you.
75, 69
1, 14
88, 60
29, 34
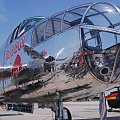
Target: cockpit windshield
24, 27
28, 23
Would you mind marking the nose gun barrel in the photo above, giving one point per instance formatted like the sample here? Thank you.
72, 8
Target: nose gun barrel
104, 71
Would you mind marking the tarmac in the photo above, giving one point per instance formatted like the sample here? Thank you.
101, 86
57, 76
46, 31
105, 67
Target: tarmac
79, 111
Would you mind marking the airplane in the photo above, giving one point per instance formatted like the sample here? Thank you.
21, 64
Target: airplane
69, 56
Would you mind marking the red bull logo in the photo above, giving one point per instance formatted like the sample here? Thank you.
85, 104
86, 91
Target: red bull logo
17, 66
17, 46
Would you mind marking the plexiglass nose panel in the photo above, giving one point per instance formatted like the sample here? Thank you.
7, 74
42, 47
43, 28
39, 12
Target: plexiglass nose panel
103, 40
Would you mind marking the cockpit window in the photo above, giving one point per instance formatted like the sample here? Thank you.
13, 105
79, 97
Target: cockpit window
28, 23
15, 34
24, 27
38, 34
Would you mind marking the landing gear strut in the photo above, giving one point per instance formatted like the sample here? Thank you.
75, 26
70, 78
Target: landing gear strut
59, 110
62, 113
102, 106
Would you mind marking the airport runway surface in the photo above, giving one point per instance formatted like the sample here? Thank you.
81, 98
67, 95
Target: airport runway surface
79, 111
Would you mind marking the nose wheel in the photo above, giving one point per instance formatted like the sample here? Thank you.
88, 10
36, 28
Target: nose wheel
66, 115
62, 113
102, 106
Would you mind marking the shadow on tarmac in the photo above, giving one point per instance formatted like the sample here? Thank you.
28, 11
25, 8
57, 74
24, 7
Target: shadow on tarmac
11, 114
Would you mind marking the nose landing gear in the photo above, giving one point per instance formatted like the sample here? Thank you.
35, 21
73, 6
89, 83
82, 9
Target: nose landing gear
62, 113
102, 106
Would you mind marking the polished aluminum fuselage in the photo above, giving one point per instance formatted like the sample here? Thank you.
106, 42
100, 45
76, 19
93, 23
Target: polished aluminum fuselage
59, 65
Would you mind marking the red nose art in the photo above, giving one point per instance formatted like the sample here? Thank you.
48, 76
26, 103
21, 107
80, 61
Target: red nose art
17, 66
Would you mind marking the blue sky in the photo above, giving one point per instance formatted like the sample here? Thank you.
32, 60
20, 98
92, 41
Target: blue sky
12, 12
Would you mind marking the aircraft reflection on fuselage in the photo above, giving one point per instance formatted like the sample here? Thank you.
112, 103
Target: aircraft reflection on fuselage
72, 55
